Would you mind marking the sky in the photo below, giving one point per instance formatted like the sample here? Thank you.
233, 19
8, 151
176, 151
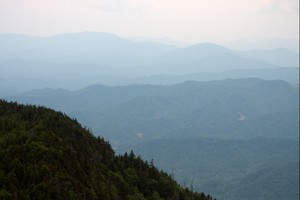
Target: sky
185, 21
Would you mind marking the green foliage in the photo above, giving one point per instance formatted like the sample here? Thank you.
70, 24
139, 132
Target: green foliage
46, 155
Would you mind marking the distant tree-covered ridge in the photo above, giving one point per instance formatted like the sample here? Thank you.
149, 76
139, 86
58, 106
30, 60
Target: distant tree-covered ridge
46, 155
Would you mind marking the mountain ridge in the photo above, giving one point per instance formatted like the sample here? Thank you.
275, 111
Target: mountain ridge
179, 108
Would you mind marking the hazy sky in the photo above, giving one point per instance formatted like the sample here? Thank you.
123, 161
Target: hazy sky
180, 20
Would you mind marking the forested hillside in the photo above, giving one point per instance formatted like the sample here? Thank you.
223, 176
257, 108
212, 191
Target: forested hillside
46, 155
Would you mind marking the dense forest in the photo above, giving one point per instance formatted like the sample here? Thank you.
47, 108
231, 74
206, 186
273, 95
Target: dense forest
47, 155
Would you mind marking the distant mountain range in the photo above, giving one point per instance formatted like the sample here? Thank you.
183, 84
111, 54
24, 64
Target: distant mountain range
74, 61
108, 50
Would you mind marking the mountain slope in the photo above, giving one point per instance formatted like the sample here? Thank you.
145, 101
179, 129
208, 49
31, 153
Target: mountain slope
46, 155
277, 182
258, 168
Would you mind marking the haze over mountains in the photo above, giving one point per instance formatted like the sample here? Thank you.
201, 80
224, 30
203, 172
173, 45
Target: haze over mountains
74, 61
220, 120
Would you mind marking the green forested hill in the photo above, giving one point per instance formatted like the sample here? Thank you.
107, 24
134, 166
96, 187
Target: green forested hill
46, 155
